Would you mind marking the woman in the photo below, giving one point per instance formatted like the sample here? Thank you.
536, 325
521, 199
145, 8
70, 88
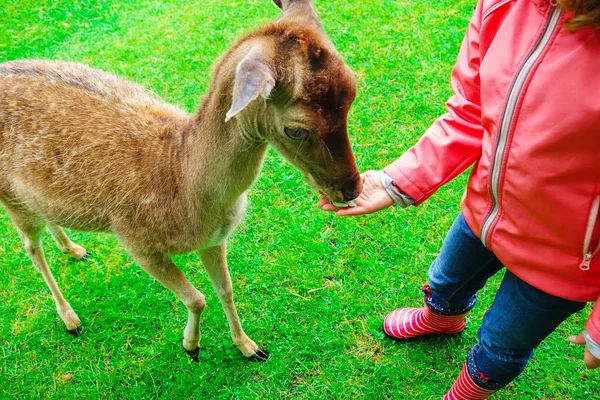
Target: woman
526, 114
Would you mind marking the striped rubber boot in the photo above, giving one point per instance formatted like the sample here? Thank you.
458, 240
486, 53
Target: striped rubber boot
465, 389
406, 323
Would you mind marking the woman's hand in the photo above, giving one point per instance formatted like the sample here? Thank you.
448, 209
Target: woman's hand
590, 361
373, 197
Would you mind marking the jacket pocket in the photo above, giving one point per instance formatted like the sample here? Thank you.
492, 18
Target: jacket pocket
590, 251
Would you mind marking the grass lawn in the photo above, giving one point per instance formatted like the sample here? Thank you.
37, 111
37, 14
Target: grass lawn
310, 287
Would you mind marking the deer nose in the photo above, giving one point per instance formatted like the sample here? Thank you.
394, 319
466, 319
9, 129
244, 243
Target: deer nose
351, 189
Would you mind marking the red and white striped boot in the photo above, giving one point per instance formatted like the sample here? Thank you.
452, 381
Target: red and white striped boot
406, 323
465, 389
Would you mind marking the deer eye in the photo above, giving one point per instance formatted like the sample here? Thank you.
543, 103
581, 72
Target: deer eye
296, 133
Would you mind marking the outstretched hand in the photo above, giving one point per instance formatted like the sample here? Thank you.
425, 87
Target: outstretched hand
590, 361
373, 197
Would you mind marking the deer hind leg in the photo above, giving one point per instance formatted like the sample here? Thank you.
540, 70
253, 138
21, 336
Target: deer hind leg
162, 269
65, 244
215, 262
30, 229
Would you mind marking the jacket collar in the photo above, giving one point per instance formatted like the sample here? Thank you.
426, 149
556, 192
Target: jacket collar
543, 5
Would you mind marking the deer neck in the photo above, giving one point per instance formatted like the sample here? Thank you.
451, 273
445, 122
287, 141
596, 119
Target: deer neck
222, 158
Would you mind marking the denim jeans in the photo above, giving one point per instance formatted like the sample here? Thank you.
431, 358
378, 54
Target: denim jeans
520, 317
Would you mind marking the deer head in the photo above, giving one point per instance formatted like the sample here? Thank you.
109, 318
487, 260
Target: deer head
292, 89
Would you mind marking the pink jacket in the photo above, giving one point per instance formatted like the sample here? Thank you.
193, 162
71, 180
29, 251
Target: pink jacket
526, 114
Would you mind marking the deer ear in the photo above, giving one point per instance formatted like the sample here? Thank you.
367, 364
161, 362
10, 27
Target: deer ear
253, 78
301, 11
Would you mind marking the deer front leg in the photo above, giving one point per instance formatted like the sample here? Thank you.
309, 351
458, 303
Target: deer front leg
161, 268
215, 262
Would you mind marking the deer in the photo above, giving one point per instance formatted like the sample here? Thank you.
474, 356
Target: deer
86, 150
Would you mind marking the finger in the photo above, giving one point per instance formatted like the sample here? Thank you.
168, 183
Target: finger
329, 207
590, 361
352, 211
577, 339
323, 201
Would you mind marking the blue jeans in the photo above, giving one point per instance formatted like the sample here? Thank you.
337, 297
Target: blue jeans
520, 317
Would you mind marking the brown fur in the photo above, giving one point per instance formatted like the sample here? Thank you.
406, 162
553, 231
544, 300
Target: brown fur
83, 149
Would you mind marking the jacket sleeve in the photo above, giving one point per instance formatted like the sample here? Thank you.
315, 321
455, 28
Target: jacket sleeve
453, 142
592, 325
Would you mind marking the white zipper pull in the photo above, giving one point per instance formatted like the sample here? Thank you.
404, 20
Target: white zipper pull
587, 259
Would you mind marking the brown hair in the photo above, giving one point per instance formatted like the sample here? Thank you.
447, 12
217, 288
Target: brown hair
587, 13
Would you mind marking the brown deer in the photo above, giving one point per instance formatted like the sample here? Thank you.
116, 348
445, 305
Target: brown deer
83, 149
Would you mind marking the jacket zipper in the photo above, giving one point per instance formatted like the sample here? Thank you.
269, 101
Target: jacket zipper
506, 120
589, 253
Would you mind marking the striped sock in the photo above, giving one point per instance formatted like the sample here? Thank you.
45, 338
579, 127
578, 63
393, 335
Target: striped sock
465, 389
406, 323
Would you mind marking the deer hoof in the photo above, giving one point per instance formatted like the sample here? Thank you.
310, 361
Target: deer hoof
76, 332
193, 353
260, 355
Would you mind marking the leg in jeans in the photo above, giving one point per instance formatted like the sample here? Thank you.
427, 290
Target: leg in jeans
520, 317
462, 268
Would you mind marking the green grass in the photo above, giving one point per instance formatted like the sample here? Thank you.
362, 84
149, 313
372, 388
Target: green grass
310, 287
